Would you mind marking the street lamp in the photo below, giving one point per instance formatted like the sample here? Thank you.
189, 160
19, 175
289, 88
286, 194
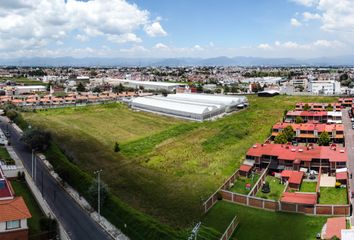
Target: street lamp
98, 172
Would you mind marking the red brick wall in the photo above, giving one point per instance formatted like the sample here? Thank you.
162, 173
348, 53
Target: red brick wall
341, 210
240, 199
323, 210
255, 203
15, 235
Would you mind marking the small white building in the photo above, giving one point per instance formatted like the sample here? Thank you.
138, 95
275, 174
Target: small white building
328, 87
149, 85
19, 90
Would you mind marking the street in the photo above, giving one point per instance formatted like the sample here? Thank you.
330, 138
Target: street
349, 144
75, 220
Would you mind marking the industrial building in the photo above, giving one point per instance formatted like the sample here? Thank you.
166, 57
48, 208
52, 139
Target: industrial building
148, 85
197, 107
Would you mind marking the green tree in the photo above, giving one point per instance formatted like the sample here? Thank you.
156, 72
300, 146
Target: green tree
116, 147
299, 119
199, 88
36, 139
97, 90
11, 114
289, 133
118, 89
280, 139
306, 107
329, 107
226, 89
324, 139
49, 226
80, 87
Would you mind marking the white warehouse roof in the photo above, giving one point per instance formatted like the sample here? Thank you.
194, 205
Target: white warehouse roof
190, 106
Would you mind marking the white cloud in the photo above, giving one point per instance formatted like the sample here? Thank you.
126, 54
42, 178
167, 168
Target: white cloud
161, 46
307, 3
198, 48
294, 22
264, 46
311, 16
155, 29
124, 38
24, 23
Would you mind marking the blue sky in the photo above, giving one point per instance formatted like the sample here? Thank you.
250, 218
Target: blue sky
163, 28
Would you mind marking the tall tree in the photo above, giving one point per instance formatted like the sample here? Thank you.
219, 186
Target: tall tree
324, 139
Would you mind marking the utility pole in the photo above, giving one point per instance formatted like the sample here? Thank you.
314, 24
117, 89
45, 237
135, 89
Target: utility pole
35, 167
98, 172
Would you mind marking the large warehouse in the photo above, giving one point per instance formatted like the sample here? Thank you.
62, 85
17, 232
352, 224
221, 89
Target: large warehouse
198, 107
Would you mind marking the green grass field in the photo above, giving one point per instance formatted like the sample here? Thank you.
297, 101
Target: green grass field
258, 224
22, 81
276, 189
331, 195
21, 189
240, 184
166, 167
308, 186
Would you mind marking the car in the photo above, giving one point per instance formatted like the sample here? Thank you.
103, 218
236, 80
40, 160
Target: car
352, 119
353, 126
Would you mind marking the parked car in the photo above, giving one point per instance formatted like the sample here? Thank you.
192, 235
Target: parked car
352, 119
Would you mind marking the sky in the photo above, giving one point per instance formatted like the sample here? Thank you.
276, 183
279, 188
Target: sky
179, 28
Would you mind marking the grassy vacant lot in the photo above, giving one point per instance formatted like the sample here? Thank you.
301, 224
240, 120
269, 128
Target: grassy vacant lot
21, 189
4, 155
22, 81
276, 189
331, 195
166, 167
308, 186
259, 224
240, 184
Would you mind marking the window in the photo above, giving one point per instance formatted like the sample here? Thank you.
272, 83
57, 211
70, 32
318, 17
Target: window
13, 224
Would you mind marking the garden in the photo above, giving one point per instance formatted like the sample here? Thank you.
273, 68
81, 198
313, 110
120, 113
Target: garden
333, 195
276, 188
308, 186
243, 185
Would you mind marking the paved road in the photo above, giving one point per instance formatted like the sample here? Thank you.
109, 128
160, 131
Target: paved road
75, 220
349, 144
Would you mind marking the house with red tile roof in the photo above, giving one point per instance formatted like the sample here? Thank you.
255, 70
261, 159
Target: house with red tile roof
314, 116
310, 132
346, 102
13, 212
294, 178
280, 156
333, 228
299, 198
318, 106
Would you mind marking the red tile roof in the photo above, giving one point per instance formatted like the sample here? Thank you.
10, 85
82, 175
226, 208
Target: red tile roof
245, 168
298, 197
295, 177
14, 209
292, 153
334, 227
342, 176
320, 127
307, 113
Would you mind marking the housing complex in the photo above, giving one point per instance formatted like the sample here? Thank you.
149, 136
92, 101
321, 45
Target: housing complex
13, 212
302, 174
310, 132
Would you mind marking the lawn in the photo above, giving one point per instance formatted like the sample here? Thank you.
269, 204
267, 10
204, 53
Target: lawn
21, 189
276, 189
240, 184
308, 186
166, 167
4, 155
331, 195
259, 224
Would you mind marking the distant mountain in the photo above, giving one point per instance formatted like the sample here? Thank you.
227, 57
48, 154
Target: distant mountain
217, 61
